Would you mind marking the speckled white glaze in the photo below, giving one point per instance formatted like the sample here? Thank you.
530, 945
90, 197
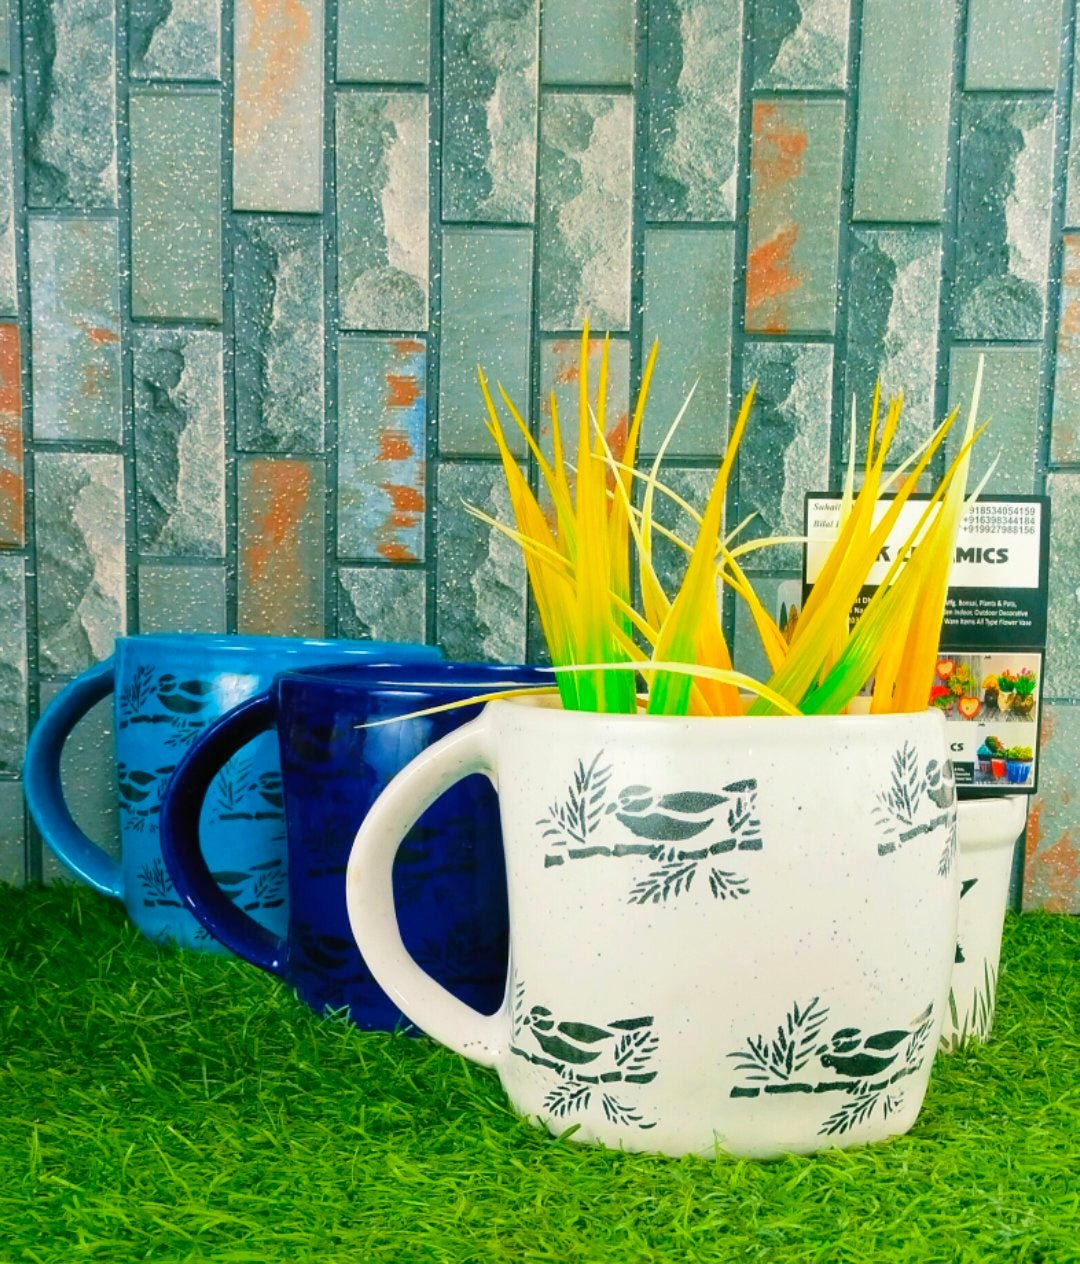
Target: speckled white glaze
988, 829
785, 995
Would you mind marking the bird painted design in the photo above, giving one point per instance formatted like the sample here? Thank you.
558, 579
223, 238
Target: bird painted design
939, 783
852, 1054
576, 1044
183, 697
666, 817
965, 887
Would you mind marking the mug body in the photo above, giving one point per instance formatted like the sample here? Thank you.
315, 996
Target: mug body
988, 830
168, 688
449, 876
725, 933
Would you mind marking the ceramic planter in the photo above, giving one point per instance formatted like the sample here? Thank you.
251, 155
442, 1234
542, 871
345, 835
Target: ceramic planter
988, 830
716, 942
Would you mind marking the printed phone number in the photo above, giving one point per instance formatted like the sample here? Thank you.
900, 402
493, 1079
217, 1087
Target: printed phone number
1002, 520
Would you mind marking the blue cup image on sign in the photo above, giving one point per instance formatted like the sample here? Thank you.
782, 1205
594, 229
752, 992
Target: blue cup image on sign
337, 755
167, 689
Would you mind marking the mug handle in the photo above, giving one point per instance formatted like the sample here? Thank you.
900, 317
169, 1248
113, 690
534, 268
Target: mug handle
181, 848
44, 788
369, 893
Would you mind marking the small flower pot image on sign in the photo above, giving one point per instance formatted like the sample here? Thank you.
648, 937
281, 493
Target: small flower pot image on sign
645, 855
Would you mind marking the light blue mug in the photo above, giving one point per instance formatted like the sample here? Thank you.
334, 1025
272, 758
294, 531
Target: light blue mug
167, 689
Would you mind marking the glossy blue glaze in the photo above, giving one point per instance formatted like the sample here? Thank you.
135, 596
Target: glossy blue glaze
449, 878
168, 689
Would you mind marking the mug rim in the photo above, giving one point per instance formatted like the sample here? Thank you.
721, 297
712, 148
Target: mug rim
552, 704
410, 675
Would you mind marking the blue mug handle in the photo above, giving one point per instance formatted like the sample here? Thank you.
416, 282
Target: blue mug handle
45, 792
182, 851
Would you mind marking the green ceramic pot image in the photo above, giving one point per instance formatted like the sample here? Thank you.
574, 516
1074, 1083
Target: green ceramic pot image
988, 830
716, 943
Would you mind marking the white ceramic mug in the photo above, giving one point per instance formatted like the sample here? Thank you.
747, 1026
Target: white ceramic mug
725, 933
988, 829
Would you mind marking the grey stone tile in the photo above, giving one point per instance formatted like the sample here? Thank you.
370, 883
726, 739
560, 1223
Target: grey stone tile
688, 271
800, 45
560, 372
778, 596
382, 183
88, 775
692, 486
75, 303
905, 78
81, 591
278, 282
174, 39
382, 428
1003, 220
1063, 610
8, 295
1065, 429
383, 43
583, 225
181, 598
1010, 402
175, 205
785, 449
490, 72
13, 667
69, 65
179, 443
1052, 857
12, 834
606, 54
382, 603
795, 176
486, 301
894, 285
1013, 46
277, 125
693, 101
480, 610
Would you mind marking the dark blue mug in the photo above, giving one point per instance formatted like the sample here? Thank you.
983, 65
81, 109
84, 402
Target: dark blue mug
168, 688
449, 879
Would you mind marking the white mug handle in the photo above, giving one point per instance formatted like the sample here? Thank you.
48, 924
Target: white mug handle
369, 893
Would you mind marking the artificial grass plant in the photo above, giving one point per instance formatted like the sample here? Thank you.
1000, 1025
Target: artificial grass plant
578, 559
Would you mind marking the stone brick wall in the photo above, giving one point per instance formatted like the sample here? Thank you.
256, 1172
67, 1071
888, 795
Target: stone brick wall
251, 253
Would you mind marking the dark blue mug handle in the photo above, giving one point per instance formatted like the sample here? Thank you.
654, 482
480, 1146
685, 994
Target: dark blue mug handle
44, 789
181, 848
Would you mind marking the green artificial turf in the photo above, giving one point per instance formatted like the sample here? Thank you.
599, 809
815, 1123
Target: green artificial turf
168, 1106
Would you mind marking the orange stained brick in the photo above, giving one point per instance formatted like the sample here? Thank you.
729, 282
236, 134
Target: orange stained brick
1071, 262
395, 551
769, 276
778, 149
402, 390
10, 377
277, 31
405, 497
11, 506
100, 336
285, 486
407, 346
91, 381
1052, 876
1070, 325
394, 445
